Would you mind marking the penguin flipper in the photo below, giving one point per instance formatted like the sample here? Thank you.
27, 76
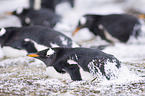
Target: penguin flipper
73, 71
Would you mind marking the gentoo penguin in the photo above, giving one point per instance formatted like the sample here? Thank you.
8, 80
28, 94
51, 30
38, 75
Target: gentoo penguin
44, 17
112, 28
50, 4
70, 60
135, 12
42, 37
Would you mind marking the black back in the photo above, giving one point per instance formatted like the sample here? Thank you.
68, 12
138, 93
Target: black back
15, 37
84, 58
120, 26
51, 4
44, 17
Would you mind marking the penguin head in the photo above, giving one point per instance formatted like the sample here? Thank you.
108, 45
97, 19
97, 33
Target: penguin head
47, 56
8, 30
7, 33
89, 21
2, 35
17, 12
85, 21
81, 24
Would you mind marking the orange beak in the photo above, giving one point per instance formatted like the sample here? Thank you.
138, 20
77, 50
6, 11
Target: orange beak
9, 13
141, 16
77, 29
33, 55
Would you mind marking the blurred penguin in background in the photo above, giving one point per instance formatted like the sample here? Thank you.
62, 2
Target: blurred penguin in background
14, 40
50, 4
44, 17
112, 28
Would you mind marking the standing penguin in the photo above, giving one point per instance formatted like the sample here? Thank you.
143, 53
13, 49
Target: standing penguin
42, 37
112, 28
44, 17
70, 60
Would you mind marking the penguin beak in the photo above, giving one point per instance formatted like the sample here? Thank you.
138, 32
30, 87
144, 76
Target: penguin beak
77, 29
33, 55
141, 16
8, 13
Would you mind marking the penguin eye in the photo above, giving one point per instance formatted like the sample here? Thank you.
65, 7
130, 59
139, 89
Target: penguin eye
47, 55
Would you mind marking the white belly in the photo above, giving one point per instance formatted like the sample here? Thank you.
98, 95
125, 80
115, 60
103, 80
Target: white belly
12, 52
51, 72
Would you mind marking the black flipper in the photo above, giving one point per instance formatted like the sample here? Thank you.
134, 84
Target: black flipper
29, 46
73, 71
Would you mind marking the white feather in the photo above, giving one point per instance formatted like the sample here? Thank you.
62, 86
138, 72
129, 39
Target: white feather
107, 34
19, 10
39, 47
54, 45
27, 20
2, 32
50, 51
37, 4
83, 20
64, 41
71, 61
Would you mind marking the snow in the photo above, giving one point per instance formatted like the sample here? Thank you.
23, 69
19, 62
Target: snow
25, 75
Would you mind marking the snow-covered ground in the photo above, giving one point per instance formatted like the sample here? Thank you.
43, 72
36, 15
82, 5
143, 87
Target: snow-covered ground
27, 76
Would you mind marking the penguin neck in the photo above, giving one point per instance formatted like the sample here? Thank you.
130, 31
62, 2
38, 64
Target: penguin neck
92, 21
50, 61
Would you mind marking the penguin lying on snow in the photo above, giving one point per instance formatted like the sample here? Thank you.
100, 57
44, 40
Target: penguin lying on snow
51, 4
42, 37
43, 17
90, 60
112, 28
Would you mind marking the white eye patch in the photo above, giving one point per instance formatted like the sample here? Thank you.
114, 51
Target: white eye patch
50, 52
2, 32
83, 20
27, 20
19, 10
100, 26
